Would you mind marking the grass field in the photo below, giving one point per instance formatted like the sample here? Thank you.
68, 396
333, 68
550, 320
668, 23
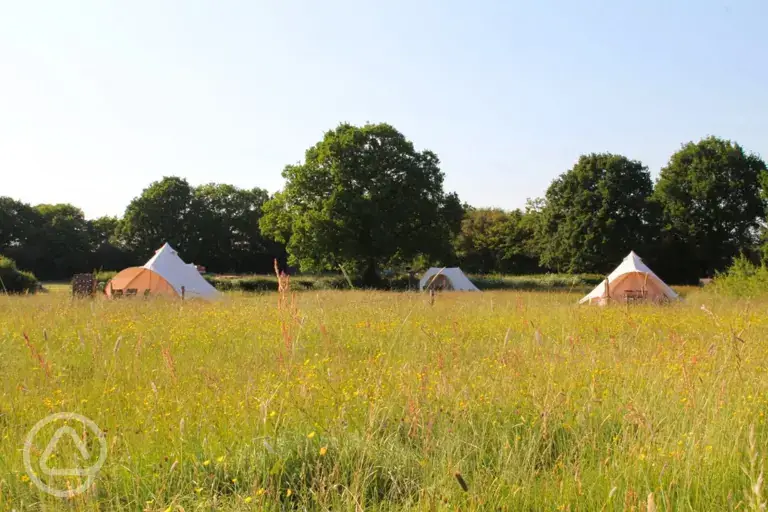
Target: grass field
381, 401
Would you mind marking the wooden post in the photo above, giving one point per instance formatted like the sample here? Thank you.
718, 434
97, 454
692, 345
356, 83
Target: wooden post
645, 288
183, 291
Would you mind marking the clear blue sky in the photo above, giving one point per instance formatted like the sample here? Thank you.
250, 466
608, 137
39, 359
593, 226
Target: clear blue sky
98, 99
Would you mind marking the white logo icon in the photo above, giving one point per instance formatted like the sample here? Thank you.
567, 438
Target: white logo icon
67, 432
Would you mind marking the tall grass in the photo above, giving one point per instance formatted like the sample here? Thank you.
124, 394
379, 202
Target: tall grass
363, 400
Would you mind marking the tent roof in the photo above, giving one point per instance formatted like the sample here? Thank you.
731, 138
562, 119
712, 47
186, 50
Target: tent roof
170, 266
631, 263
457, 278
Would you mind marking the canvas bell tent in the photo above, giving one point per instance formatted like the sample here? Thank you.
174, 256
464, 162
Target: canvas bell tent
631, 281
164, 274
139, 281
448, 279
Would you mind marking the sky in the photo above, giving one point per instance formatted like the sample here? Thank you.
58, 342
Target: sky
98, 99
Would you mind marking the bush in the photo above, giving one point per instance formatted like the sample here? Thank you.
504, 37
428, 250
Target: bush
268, 283
537, 282
15, 280
104, 275
742, 279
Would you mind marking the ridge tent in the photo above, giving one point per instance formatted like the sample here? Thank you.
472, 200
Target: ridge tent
164, 274
446, 279
631, 280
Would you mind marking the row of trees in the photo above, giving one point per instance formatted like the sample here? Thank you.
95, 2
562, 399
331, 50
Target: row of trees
707, 206
364, 201
364, 198
215, 225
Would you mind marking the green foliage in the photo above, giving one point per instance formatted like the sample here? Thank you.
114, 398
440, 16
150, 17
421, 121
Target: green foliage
105, 275
366, 202
399, 282
18, 222
60, 245
162, 213
492, 240
538, 282
363, 198
214, 225
742, 279
711, 195
268, 283
14, 280
594, 214
227, 220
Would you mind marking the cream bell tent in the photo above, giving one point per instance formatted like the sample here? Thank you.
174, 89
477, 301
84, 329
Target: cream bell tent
164, 274
632, 280
446, 279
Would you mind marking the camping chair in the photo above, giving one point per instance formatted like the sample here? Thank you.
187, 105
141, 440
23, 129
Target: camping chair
117, 293
632, 296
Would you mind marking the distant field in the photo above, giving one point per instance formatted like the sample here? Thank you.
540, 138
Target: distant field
350, 400
58, 287
268, 282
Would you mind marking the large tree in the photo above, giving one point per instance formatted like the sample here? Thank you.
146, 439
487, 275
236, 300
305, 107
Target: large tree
595, 213
227, 219
59, 247
162, 213
711, 202
107, 252
18, 221
363, 197
492, 240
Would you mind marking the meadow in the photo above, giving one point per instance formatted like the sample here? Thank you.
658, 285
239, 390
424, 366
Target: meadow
355, 400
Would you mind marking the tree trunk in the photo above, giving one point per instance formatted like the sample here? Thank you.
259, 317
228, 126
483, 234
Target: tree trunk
371, 277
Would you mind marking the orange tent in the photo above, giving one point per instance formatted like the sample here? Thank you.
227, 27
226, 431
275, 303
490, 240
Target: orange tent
139, 281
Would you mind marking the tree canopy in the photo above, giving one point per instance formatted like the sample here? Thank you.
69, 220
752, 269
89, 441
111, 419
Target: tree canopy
712, 203
493, 240
227, 228
595, 213
161, 214
363, 198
